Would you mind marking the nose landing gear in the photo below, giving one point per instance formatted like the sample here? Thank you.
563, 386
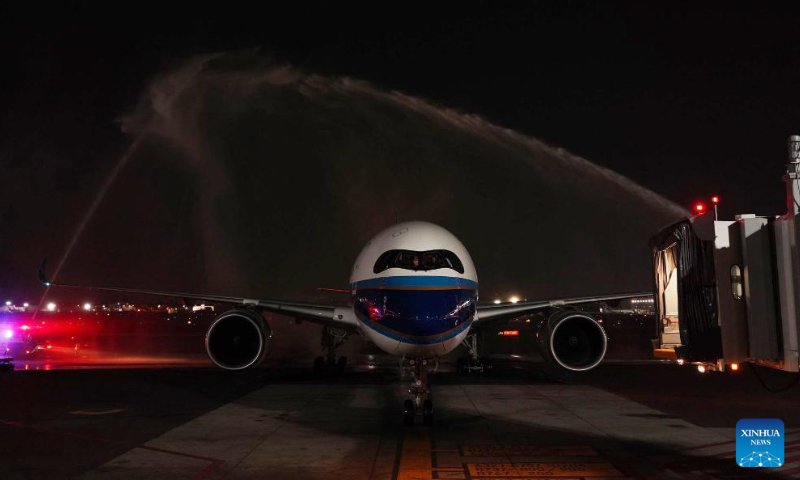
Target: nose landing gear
420, 403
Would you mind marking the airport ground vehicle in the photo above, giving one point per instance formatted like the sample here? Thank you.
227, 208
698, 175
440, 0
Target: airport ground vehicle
728, 291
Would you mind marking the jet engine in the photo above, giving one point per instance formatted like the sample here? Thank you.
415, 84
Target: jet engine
573, 340
238, 339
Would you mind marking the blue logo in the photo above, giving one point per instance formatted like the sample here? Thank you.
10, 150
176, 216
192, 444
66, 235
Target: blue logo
759, 442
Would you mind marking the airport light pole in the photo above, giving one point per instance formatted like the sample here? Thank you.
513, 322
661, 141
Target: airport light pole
715, 201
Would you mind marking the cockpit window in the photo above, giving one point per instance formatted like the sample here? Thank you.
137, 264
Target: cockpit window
411, 260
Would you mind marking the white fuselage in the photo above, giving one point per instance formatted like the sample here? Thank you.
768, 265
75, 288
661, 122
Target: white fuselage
414, 290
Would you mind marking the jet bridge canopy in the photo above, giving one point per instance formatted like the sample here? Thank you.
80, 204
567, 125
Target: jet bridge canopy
685, 292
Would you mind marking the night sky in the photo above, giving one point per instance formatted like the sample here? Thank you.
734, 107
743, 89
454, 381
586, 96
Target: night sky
687, 102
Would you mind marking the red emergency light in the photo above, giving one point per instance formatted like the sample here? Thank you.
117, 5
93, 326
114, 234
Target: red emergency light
715, 200
699, 208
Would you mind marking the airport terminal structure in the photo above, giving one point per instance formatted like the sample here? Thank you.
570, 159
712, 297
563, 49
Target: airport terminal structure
728, 291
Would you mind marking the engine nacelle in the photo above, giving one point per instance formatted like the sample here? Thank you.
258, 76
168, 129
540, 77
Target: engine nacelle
573, 340
238, 339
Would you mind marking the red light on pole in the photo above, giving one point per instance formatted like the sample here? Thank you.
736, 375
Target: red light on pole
715, 201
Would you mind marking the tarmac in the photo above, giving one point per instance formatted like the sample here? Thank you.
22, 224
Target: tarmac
642, 420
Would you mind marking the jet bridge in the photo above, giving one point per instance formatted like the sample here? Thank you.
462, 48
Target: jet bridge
728, 292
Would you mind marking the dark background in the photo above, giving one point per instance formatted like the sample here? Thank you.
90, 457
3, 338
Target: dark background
687, 100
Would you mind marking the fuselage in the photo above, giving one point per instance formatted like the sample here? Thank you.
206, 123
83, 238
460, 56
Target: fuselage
414, 290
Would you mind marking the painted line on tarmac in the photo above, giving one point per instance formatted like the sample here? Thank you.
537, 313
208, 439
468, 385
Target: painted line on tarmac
97, 412
415, 456
543, 469
543, 478
417, 460
526, 451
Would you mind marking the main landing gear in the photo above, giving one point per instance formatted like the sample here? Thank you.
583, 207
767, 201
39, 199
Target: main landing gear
332, 338
474, 363
420, 402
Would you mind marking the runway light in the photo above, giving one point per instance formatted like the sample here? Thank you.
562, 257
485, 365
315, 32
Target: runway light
25, 327
715, 200
51, 307
699, 208
8, 334
26, 305
497, 302
87, 306
514, 299
701, 368
8, 303
734, 366
680, 361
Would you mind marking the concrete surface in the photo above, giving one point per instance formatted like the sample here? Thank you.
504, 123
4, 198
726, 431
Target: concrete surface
282, 422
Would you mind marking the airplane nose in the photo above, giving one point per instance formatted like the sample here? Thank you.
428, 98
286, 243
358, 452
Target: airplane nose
416, 314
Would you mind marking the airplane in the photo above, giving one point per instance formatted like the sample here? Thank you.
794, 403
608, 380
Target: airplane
414, 294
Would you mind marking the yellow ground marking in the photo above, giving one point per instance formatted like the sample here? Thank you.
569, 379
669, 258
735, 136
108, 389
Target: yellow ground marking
450, 475
525, 451
536, 478
97, 412
415, 456
543, 469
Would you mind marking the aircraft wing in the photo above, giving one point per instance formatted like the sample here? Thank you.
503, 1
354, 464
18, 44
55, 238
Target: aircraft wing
502, 311
322, 314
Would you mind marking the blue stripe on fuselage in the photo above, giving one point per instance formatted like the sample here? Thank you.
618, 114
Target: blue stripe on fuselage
416, 281
416, 309
416, 341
